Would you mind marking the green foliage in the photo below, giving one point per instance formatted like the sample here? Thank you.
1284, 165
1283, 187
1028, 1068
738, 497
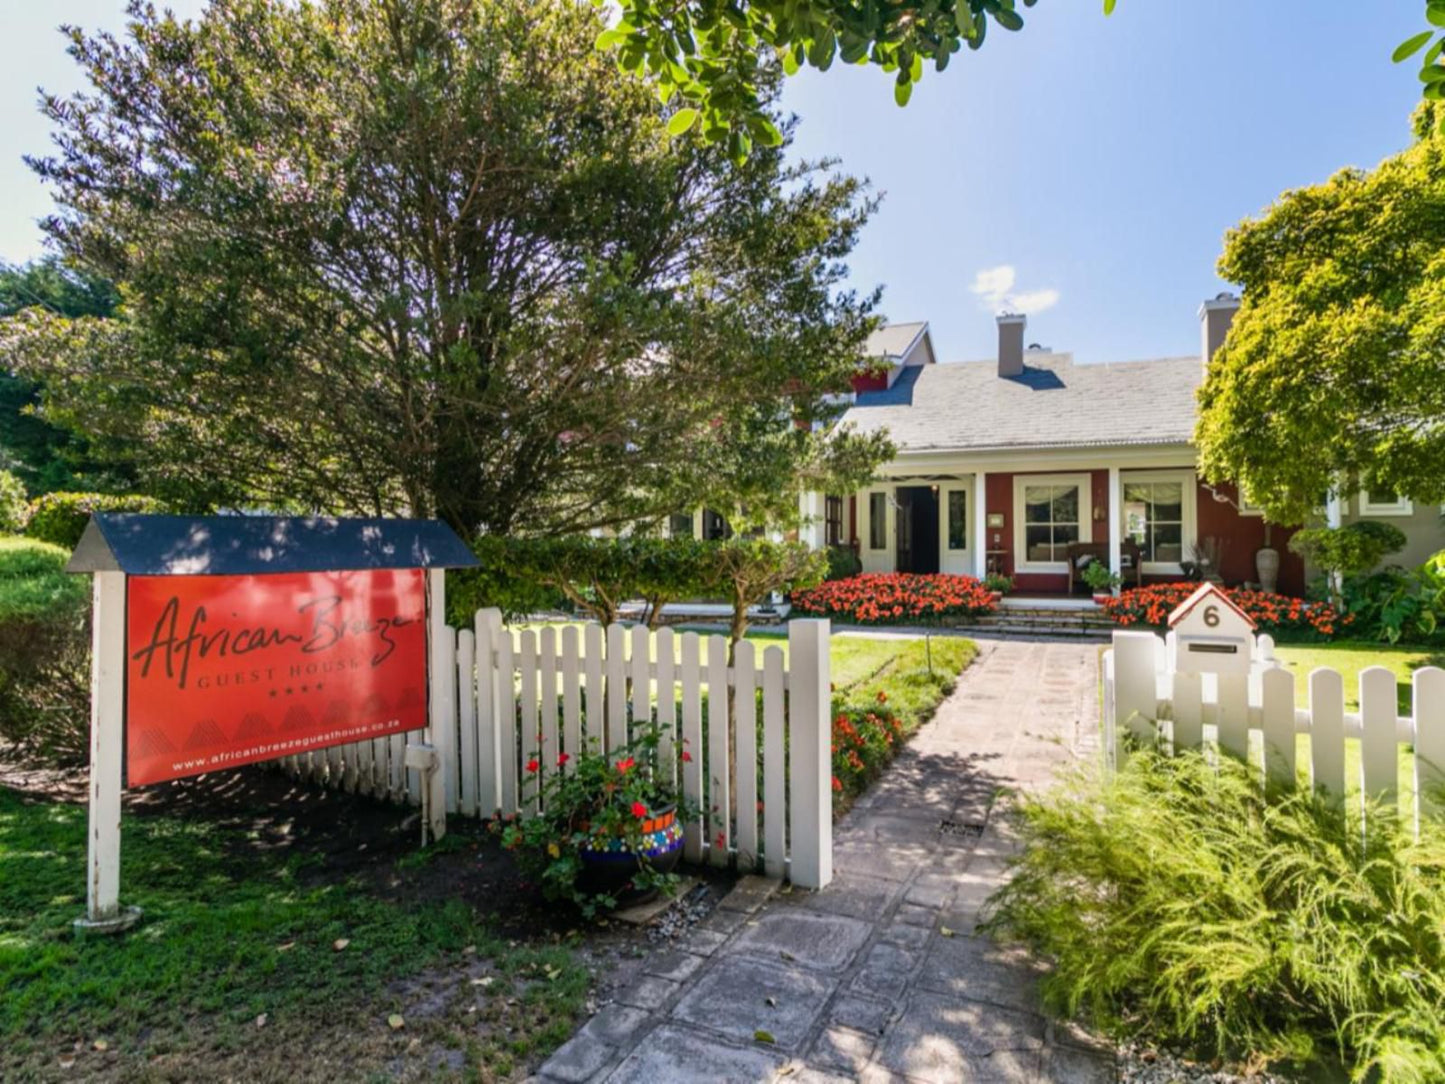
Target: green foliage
714, 55
997, 581
44, 652
843, 563
60, 518
1335, 363
1399, 606
14, 507
1099, 577
589, 801
745, 571
428, 256
1354, 548
1181, 905
1432, 72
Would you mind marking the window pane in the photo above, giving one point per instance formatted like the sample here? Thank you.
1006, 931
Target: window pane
679, 525
1136, 491
1036, 503
1066, 504
1376, 497
1064, 534
1168, 543
877, 521
1168, 502
1037, 543
1136, 520
957, 522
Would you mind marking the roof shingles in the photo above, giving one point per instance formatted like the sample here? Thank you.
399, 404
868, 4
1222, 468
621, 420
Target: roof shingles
967, 406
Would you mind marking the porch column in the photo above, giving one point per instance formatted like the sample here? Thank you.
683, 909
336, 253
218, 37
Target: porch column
1115, 526
980, 524
814, 529
1335, 518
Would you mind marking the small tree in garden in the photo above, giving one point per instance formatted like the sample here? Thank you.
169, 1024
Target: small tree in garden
12, 504
1348, 550
666, 569
747, 570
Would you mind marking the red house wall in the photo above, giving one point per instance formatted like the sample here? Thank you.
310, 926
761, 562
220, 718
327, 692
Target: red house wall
1243, 536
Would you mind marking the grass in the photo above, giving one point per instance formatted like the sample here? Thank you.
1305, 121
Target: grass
1349, 658
1181, 906
232, 932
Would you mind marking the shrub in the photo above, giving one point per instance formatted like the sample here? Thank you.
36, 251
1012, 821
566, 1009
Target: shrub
44, 652
60, 518
505, 578
843, 562
886, 598
865, 739
1353, 548
13, 504
1182, 906
997, 581
1281, 616
1399, 606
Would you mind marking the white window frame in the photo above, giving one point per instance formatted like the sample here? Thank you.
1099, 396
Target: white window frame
1190, 512
945, 498
1402, 506
1085, 483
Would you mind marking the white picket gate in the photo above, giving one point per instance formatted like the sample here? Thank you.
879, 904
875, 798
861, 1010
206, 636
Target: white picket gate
1253, 717
503, 697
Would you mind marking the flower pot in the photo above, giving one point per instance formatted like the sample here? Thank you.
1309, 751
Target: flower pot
1101, 597
1266, 565
995, 597
608, 865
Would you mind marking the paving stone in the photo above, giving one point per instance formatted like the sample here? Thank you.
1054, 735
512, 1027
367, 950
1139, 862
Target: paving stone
861, 1013
703, 942
680, 1055
675, 965
649, 992
879, 983
977, 969
841, 1048
817, 1076
1072, 1065
909, 937
866, 856
723, 922
619, 1025
930, 890
579, 1059
854, 895
940, 1039
911, 914
750, 893
732, 998
818, 941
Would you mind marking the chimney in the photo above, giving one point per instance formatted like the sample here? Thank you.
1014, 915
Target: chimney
1011, 344
1215, 316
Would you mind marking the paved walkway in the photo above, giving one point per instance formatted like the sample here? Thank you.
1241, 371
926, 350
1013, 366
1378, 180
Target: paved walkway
858, 982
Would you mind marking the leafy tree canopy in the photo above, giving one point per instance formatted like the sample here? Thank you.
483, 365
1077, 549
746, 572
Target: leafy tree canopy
1335, 363
46, 457
434, 256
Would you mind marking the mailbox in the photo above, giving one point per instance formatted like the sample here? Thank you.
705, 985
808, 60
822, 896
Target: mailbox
1211, 634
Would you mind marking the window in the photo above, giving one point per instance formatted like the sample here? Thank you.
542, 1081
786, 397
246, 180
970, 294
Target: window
679, 525
714, 527
1375, 502
1154, 518
1051, 521
833, 521
877, 521
957, 519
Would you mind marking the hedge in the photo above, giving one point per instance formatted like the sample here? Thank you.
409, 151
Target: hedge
60, 518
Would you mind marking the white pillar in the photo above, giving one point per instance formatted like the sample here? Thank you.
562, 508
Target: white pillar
814, 530
1115, 524
1335, 518
810, 808
980, 524
107, 730
441, 732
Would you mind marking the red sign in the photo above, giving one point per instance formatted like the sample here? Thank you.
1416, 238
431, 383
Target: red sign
230, 670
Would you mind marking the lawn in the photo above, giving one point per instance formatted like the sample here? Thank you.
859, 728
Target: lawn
1349, 658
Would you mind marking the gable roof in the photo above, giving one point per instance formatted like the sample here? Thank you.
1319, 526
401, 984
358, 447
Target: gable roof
1202, 592
893, 340
967, 406
145, 545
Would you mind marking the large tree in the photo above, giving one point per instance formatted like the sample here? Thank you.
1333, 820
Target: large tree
1334, 366
47, 457
435, 256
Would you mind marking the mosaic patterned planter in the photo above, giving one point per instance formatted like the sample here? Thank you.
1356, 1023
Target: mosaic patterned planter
609, 865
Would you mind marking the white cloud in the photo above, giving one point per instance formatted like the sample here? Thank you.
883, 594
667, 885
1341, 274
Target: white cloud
995, 289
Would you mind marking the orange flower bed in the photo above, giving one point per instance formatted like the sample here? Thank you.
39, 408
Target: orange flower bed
1279, 615
892, 598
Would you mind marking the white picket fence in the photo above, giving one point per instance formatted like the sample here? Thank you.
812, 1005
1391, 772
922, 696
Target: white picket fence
1253, 717
501, 698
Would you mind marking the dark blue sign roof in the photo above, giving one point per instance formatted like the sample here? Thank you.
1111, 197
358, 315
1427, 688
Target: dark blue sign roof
144, 545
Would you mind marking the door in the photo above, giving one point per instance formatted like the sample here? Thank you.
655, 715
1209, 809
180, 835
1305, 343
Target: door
917, 530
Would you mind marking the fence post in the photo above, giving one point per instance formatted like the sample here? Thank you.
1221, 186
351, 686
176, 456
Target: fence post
810, 734
488, 625
107, 730
1136, 687
442, 716
1429, 711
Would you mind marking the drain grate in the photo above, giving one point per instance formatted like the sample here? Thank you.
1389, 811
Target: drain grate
960, 829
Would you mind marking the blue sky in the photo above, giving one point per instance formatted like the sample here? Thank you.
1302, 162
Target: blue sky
1084, 169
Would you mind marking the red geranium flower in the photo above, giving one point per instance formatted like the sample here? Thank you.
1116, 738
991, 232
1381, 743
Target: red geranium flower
533, 765
639, 810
